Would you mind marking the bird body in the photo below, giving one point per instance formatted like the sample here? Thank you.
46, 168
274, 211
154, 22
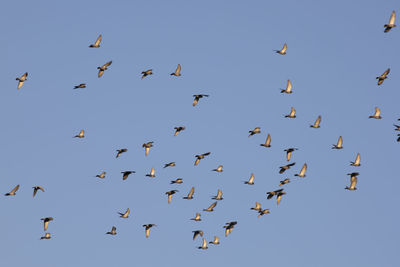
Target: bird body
204, 245
215, 241
353, 181
21, 80
147, 228
103, 68
46, 236
197, 217
257, 207
383, 77
289, 152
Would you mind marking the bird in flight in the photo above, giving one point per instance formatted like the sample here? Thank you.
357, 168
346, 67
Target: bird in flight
251, 180
200, 157
273, 193
177, 72
292, 113
196, 233
147, 73
218, 169
289, 152
101, 175
204, 245
283, 50
256, 130
262, 212
257, 207
46, 236
197, 98
103, 68
113, 231
21, 80
97, 43
151, 174
357, 161
190, 194
36, 188
316, 123
218, 196
171, 164
286, 167
147, 228
285, 181
81, 134
229, 227
211, 207
302, 172
215, 241
125, 174
46, 222
13, 192
82, 85
177, 181
339, 144
197, 217
120, 151
288, 89
170, 193
383, 77
397, 127
391, 24
353, 181
126, 214
267, 142
147, 147
179, 129
377, 114
279, 197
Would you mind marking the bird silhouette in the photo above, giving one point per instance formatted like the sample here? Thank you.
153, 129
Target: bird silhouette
292, 113
120, 151
170, 193
36, 188
197, 217
285, 181
286, 167
197, 98
302, 172
215, 241
218, 169
147, 147
211, 207
256, 130
126, 214
125, 174
82, 85
151, 174
357, 161
383, 77
171, 164
251, 180
339, 144
46, 222
218, 196
289, 152
81, 134
147, 228
200, 157
179, 129
353, 181
316, 123
147, 73
101, 175
204, 245
113, 231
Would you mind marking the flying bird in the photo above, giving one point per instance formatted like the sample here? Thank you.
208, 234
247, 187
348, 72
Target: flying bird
383, 77
13, 192
177, 71
204, 245
21, 80
353, 181
267, 142
197, 217
397, 127
125, 174
82, 85
46, 222
218, 196
279, 197
36, 188
177, 181
288, 89
289, 152
190, 194
101, 175
229, 227
273, 193
219, 169
256, 130
257, 207
147, 147
215, 241
151, 174
126, 214
211, 207
179, 129
357, 161
113, 231
377, 114
262, 212
103, 68
97, 43
292, 113
285, 181
170, 193
81, 134
316, 123
391, 24
286, 167
46, 236
120, 151
196, 233
339, 144
302, 172
200, 157
251, 180
147, 228
146, 73
197, 98
171, 164
283, 50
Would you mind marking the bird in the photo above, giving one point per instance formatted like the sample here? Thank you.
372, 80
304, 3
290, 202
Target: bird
13, 192
357, 161
197, 98
46, 236
179, 129
97, 43
101, 175
200, 157
353, 181
397, 127
288, 89
262, 212
218, 196
177, 72
125, 174
211, 207
383, 77
377, 114
36, 188
113, 231
170, 193
257, 207
103, 68
215, 241
171, 164
251, 180
339, 144
398, 138
391, 24
190, 194
82, 85
120, 151
219, 169
21, 80
302, 172
283, 50
316, 123
81, 134
267, 142
285, 181
46, 222
204, 245
256, 130
289, 152
151, 174
177, 181
292, 113
273, 193
146, 73
196, 233
279, 197
286, 167
147, 228
197, 217
229, 227
147, 147
126, 214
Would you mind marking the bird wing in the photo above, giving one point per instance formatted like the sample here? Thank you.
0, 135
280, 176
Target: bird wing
45, 224
204, 243
289, 86
386, 72
358, 159
377, 112
147, 232
258, 206
288, 155
169, 198
392, 18
292, 111
353, 182
251, 180
195, 101
146, 150
97, 43
100, 73
107, 64
126, 214
212, 205
197, 162
317, 122
14, 190
284, 48
268, 141
20, 83
178, 70
190, 195
219, 194
303, 170
340, 142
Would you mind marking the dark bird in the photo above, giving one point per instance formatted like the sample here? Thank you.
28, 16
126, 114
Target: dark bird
12, 192
286, 167
262, 212
120, 151
397, 127
229, 227
316, 123
46, 222
126, 214
21, 80
353, 181
125, 174
151, 174
256, 130
147, 228
377, 114
197, 98
279, 197
273, 193
211, 207
196, 233
292, 113
283, 182
179, 129
101, 175
267, 142
171, 164
283, 50
218, 196
146, 73
103, 68
288, 89
383, 76
147, 147
391, 24
81, 134
357, 161
289, 152
113, 231
339, 144
82, 85
302, 172
177, 71
46, 236
170, 193
177, 181
190, 194
200, 157
97, 43
36, 188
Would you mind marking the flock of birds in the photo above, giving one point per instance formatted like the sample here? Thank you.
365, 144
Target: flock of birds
229, 226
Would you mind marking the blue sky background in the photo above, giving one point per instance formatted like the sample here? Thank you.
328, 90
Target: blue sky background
335, 51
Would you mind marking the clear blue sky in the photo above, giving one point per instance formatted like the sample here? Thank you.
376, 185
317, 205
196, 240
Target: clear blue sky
335, 51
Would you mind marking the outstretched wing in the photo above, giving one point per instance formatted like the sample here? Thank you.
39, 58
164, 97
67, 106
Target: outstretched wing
392, 18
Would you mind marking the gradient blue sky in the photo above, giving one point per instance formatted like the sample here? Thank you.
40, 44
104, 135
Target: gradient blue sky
335, 51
